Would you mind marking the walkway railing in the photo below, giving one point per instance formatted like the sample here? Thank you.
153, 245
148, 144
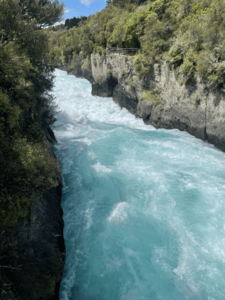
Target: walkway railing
123, 50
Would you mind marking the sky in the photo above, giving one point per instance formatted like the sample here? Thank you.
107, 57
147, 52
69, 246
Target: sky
77, 8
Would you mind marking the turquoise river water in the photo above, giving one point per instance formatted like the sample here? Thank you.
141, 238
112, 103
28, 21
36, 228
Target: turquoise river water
144, 209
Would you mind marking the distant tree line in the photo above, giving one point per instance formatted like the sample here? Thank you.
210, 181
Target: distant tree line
123, 3
75, 22
186, 34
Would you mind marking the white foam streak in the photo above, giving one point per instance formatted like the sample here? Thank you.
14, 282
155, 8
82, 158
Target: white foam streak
119, 213
101, 168
83, 107
163, 190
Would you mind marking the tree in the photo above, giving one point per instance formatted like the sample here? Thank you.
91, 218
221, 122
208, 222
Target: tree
45, 12
75, 22
25, 104
108, 2
122, 3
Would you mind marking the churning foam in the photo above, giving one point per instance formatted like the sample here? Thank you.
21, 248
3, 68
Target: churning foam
101, 168
79, 106
119, 213
144, 209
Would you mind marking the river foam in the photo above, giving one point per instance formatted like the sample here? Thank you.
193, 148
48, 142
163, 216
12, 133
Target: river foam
144, 209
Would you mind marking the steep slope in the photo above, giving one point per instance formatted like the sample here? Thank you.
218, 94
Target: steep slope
158, 98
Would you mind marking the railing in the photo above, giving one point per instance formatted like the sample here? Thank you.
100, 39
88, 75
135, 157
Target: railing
123, 50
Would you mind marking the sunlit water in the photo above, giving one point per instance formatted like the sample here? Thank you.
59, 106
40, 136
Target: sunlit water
144, 209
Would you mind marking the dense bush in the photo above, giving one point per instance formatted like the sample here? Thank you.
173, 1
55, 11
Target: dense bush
124, 3
25, 103
152, 97
75, 22
187, 34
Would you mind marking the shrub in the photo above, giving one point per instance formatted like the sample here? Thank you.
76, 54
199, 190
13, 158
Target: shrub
154, 99
188, 34
25, 105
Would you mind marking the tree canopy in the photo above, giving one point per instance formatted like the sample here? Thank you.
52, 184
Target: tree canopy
25, 104
187, 34
75, 22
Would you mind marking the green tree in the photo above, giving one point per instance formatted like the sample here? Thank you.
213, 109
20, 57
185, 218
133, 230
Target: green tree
25, 104
187, 34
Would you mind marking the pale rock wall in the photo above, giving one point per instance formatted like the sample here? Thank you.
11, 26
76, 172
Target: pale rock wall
193, 108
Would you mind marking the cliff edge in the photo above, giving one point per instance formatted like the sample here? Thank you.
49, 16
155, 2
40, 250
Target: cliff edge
158, 98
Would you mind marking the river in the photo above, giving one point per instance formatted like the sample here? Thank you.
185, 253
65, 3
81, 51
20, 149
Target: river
144, 209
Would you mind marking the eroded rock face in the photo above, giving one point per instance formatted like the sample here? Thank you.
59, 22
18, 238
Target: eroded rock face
83, 70
115, 77
193, 108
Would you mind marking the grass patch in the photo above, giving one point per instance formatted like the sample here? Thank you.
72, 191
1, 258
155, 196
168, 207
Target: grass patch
154, 99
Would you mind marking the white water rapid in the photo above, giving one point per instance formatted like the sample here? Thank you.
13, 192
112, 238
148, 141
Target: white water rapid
144, 209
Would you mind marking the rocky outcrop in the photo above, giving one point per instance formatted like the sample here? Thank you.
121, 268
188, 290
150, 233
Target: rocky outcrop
158, 98
193, 108
81, 67
81, 72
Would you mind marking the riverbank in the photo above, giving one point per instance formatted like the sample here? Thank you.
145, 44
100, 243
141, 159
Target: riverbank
40, 239
159, 99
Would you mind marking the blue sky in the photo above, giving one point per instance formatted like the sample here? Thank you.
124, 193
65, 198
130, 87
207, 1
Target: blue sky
76, 8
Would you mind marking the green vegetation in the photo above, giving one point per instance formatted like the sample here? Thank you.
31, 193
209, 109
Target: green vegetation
75, 22
25, 104
153, 98
132, 84
187, 34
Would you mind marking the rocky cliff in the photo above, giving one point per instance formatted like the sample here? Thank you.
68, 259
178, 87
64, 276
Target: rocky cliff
158, 98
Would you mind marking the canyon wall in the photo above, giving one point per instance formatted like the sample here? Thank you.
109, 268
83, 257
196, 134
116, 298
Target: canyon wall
158, 98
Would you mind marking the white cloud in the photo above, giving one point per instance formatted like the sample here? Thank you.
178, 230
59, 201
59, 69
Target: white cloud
67, 10
58, 23
87, 2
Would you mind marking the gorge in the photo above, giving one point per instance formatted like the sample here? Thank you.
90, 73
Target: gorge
143, 205
143, 208
139, 139
157, 98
